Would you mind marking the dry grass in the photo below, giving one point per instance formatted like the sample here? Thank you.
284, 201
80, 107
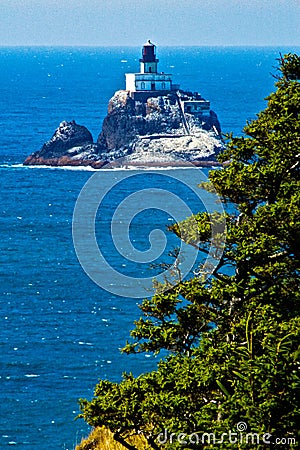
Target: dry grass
102, 439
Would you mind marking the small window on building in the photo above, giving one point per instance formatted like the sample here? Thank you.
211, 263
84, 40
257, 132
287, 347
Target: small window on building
150, 69
142, 85
163, 85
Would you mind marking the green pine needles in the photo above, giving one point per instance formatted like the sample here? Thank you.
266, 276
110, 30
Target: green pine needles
231, 377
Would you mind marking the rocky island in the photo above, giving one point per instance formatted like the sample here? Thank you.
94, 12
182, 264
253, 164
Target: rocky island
150, 123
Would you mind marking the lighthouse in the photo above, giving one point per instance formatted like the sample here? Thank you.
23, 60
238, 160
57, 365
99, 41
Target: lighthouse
149, 60
148, 82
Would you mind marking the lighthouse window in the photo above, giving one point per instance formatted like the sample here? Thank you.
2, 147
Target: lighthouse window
143, 85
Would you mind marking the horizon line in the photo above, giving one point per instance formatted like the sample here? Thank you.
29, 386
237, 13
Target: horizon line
158, 45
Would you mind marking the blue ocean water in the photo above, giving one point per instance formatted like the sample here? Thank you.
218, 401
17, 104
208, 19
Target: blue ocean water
60, 332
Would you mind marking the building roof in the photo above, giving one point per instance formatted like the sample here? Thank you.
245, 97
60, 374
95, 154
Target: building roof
149, 44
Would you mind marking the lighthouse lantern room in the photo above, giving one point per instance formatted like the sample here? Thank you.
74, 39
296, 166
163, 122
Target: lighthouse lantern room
149, 60
148, 82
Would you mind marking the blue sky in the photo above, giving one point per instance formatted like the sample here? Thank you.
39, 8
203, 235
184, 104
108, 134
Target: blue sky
166, 22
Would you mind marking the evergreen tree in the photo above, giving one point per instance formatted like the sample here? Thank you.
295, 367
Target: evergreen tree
233, 339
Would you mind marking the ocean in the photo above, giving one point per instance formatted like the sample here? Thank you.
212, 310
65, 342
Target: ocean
60, 331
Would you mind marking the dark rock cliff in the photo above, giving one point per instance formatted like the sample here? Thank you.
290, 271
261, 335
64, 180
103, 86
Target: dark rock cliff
147, 131
71, 144
68, 135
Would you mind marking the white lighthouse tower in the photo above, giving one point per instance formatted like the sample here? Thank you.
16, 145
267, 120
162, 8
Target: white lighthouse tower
149, 60
148, 81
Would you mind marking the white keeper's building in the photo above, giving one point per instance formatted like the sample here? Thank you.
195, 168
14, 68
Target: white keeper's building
151, 83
